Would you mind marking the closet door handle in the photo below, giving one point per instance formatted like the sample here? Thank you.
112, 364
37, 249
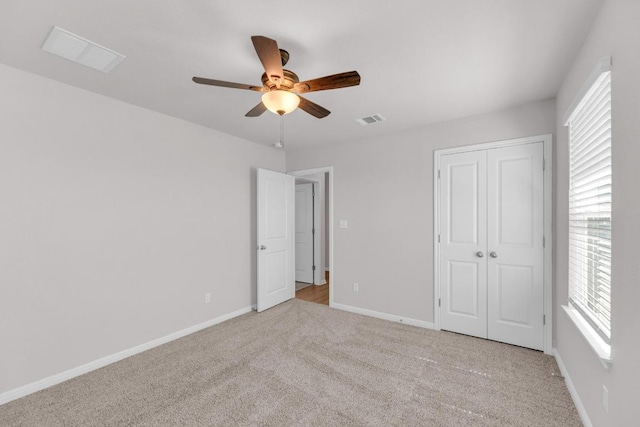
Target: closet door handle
479, 254
493, 255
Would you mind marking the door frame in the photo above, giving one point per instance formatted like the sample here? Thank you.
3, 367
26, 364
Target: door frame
328, 221
315, 213
547, 141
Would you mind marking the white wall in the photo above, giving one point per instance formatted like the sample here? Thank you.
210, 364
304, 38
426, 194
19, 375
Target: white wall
114, 222
383, 187
616, 32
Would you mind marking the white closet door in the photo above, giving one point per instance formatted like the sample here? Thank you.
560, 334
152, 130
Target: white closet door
491, 244
463, 267
515, 245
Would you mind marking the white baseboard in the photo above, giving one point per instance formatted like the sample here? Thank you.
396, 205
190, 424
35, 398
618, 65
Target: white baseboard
27, 389
572, 390
384, 316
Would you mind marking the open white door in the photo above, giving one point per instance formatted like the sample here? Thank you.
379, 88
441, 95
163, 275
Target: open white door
276, 260
304, 233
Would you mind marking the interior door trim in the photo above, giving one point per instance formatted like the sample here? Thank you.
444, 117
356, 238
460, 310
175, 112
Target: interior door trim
329, 221
547, 141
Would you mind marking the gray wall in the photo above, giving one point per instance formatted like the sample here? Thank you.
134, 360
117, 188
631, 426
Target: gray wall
383, 186
114, 222
616, 32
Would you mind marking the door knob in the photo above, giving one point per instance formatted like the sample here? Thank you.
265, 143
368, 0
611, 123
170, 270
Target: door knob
493, 255
479, 254
263, 247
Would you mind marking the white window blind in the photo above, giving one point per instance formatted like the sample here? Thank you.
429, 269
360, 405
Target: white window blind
590, 206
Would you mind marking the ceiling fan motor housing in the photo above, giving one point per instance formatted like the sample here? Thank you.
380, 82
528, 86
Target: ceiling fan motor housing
287, 83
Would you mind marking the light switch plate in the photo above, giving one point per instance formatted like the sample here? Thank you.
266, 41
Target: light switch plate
343, 223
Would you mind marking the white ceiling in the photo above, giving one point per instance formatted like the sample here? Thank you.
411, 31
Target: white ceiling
421, 61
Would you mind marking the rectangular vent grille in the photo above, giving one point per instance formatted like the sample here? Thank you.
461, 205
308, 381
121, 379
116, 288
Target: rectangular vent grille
369, 120
77, 49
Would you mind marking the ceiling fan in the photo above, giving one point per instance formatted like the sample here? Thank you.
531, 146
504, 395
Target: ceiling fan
281, 87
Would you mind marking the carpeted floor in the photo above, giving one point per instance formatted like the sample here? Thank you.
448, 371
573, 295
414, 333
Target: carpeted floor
306, 364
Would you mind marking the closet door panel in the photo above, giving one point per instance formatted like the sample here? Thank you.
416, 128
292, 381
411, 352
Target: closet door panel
515, 245
463, 269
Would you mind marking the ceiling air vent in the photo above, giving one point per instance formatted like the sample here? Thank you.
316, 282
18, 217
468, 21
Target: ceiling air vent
369, 120
77, 49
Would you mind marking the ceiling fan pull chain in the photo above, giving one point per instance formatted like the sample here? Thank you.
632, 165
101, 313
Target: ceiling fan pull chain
282, 131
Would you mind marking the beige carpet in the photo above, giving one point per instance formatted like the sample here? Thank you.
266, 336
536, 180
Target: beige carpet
306, 364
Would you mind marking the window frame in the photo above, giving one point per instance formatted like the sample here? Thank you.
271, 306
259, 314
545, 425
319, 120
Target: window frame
594, 328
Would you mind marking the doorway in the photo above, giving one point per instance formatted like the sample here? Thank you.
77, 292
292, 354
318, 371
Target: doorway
316, 210
492, 221
307, 223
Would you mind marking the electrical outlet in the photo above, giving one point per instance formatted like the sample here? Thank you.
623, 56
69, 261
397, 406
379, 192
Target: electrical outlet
605, 399
355, 287
207, 298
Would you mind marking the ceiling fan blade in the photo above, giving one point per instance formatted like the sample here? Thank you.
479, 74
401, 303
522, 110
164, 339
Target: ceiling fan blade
257, 110
222, 83
269, 54
335, 81
313, 108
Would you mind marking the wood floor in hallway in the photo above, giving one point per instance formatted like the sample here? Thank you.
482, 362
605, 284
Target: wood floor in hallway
318, 294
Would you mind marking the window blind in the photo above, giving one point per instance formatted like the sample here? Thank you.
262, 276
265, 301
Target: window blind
590, 206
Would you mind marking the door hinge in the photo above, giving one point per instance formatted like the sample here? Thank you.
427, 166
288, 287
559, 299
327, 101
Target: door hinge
313, 231
313, 268
438, 238
544, 319
438, 173
544, 164
439, 302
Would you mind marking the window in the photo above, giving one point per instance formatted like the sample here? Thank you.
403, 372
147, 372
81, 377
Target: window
590, 206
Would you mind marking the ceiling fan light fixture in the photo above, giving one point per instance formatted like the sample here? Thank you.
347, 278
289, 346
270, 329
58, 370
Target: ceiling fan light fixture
280, 101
